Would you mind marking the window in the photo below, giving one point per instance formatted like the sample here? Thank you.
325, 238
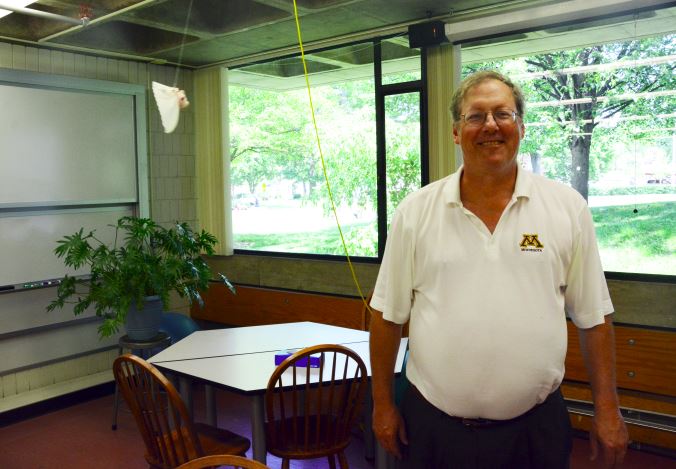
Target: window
402, 149
279, 194
601, 117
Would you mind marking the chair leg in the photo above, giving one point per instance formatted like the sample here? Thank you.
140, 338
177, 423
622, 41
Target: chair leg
342, 460
117, 396
115, 405
332, 461
285, 463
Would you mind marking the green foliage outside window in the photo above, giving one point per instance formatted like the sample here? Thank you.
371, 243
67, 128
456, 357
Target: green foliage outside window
601, 119
273, 144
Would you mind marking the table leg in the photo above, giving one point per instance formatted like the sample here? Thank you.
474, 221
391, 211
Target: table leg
258, 429
116, 402
384, 460
210, 397
369, 438
185, 389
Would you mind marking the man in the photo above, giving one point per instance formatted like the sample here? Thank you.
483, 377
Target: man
484, 264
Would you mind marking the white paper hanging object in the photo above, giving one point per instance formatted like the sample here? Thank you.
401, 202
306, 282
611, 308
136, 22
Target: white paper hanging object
170, 101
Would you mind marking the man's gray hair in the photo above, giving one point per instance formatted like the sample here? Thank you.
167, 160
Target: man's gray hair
477, 78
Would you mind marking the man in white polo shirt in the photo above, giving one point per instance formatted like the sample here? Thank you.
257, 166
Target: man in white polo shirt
485, 264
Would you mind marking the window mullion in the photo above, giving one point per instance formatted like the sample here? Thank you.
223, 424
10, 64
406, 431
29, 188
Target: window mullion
381, 170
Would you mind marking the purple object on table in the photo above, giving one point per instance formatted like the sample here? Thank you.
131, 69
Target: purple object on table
314, 360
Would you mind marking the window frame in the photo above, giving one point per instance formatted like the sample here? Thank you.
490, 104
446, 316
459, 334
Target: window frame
420, 85
609, 275
380, 91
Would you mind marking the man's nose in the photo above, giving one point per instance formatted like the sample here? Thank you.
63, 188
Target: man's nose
490, 120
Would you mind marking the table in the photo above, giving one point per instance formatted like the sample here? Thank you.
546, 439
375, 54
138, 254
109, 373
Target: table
242, 360
255, 339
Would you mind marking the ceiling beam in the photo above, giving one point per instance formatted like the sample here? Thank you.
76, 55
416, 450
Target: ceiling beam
100, 19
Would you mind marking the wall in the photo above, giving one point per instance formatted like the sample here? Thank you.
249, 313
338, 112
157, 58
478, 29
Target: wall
172, 193
172, 197
642, 303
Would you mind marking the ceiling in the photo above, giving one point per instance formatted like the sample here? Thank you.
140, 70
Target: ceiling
203, 33
218, 31
354, 61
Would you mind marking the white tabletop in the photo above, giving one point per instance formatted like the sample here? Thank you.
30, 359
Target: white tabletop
254, 339
249, 373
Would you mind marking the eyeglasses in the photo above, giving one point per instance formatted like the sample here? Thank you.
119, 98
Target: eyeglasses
501, 117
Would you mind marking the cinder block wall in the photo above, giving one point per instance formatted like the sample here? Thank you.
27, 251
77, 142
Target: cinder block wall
172, 197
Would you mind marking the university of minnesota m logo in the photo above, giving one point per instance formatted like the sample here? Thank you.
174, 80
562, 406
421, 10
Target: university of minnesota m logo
530, 242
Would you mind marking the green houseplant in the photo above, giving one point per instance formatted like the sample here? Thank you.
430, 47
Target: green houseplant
146, 261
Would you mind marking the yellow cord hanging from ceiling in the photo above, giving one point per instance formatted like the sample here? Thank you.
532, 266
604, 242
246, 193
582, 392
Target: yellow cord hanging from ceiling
321, 156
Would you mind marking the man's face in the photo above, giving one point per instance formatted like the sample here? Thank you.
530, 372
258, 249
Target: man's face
489, 146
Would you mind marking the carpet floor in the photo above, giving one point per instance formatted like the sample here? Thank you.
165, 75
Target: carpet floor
80, 436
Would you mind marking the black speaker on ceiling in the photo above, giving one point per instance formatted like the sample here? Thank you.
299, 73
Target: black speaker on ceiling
432, 33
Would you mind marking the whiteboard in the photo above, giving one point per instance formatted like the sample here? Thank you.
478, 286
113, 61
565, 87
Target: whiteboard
66, 146
28, 309
73, 155
23, 351
27, 241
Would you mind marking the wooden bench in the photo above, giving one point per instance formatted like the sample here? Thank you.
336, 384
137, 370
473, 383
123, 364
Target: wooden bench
253, 306
646, 381
646, 358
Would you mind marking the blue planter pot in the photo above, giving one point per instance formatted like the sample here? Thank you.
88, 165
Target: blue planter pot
144, 324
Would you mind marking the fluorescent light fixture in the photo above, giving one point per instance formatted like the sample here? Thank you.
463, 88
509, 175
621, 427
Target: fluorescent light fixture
14, 3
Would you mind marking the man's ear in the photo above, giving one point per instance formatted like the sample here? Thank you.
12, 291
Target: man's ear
456, 135
522, 129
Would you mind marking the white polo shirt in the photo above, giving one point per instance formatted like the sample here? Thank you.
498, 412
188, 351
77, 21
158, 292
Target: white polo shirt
488, 311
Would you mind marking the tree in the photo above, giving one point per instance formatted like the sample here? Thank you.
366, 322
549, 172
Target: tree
589, 91
270, 138
402, 151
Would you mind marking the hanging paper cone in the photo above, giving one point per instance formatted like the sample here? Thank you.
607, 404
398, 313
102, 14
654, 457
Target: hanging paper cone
169, 101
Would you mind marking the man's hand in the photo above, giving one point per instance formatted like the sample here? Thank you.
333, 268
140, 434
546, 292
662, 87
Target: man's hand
609, 436
389, 428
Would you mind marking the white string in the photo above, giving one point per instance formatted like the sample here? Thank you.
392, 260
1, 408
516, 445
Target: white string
180, 52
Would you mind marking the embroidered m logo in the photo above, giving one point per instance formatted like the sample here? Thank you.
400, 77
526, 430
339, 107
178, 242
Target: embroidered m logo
531, 241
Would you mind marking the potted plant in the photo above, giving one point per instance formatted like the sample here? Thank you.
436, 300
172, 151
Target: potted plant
133, 278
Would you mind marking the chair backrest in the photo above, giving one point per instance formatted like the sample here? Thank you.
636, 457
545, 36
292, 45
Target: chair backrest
308, 417
226, 460
161, 415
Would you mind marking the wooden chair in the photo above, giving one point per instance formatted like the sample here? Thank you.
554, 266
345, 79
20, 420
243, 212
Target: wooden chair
306, 419
170, 436
226, 460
